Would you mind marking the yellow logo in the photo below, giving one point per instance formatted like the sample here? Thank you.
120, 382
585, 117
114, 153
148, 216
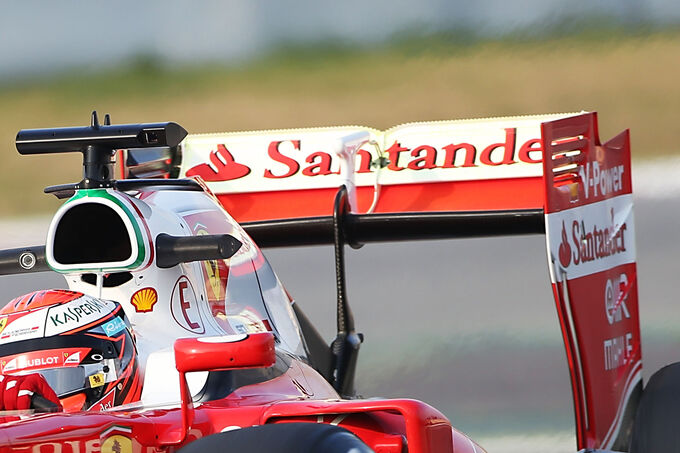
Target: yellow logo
97, 380
3, 323
117, 444
212, 270
144, 300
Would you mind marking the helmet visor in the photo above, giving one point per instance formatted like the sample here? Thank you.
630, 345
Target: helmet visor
70, 363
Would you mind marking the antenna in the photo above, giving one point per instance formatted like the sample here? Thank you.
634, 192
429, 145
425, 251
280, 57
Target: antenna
345, 347
98, 144
94, 121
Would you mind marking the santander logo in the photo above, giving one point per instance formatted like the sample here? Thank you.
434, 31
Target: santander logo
591, 242
565, 248
288, 158
222, 167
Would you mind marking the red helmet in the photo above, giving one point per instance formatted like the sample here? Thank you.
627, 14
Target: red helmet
83, 346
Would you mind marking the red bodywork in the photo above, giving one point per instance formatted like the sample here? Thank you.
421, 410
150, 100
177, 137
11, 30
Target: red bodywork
603, 386
385, 425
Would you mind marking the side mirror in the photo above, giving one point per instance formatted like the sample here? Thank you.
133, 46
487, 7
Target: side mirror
172, 250
229, 352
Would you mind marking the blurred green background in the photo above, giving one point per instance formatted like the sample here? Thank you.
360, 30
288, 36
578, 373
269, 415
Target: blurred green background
630, 76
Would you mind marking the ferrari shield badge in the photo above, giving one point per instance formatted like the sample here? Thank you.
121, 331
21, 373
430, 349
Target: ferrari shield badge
116, 440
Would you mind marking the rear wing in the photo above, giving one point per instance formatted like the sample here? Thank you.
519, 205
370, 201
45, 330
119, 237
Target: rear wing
541, 174
426, 180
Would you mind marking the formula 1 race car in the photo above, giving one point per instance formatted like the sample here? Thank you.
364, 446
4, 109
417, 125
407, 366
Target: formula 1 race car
175, 333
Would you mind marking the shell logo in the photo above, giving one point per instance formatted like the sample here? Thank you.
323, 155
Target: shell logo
144, 300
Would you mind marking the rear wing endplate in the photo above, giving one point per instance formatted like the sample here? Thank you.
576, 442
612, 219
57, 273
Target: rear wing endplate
590, 234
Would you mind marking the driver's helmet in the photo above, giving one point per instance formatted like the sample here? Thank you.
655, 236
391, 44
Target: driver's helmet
82, 346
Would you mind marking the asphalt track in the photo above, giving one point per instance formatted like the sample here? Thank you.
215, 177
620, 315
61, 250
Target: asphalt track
467, 325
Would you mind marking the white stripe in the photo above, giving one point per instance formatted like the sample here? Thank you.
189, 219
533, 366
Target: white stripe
65, 139
631, 382
472, 444
24, 393
195, 211
577, 349
10, 384
337, 420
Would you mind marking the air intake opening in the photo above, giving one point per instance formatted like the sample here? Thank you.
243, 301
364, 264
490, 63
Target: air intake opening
110, 280
91, 233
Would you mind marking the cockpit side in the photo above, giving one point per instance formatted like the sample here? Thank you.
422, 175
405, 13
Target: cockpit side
239, 294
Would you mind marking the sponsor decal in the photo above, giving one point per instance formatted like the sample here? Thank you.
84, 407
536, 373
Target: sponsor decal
565, 249
104, 404
63, 446
117, 444
73, 359
68, 316
601, 181
97, 380
23, 325
288, 158
144, 300
113, 327
3, 323
184, 306
42, 359
222, 167
592, 242
35, 360
410, 153
20, 332
591, 238
597, 243
618, 351
211, 268
616, 294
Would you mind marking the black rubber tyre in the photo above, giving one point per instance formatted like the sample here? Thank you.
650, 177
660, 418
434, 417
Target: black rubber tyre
657, 422
281, 438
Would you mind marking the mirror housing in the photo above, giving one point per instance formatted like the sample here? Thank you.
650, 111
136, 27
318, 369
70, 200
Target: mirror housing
172, 250
229, 352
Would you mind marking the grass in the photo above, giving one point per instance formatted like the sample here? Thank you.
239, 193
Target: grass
631, 79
